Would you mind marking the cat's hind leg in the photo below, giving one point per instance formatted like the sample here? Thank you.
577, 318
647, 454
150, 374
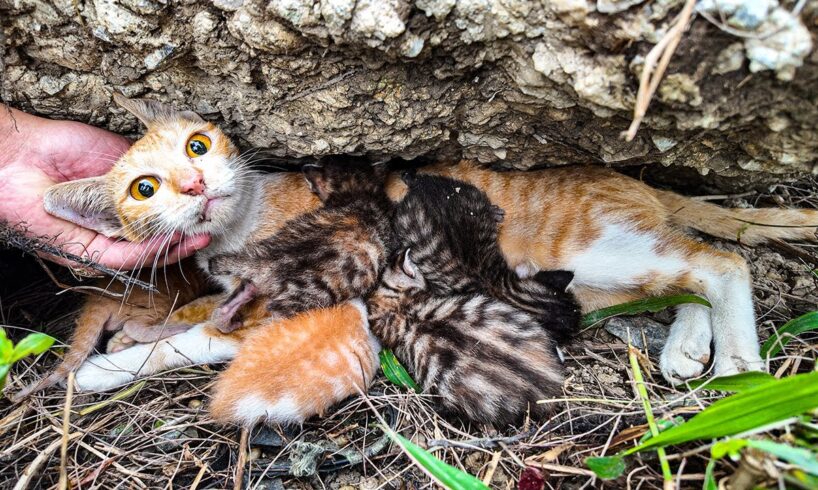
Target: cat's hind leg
625, 260
724, 279
200, 344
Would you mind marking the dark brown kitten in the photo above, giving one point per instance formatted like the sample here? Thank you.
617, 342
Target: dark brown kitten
451, 228
322, 258
485, 359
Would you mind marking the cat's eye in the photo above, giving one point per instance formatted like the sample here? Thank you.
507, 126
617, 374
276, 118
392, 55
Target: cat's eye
144, 187
197, 145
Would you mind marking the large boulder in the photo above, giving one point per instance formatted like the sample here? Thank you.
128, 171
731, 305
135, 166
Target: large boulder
508, 82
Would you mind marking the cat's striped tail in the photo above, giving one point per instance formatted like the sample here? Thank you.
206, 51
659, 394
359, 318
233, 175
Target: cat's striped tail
748, 226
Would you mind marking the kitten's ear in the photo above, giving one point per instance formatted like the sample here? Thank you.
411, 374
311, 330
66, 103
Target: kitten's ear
152, 111
316, 178
409, 176
84, 202
558, 280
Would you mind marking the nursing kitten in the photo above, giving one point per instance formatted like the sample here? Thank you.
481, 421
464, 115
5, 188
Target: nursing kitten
451, 229
485, 359
289, 370
319, 259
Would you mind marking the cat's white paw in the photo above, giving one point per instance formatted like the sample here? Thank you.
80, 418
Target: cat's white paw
682, 361
99, 374
738, 361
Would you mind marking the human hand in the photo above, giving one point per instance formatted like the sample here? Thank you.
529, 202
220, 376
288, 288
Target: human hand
36, 153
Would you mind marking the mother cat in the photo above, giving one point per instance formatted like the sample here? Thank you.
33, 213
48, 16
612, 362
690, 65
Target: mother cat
620, 238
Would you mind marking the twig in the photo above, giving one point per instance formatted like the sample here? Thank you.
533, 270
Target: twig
15, 237
66, 425
492, 468
487, 443
719, 197
33, 468
238, 483
650, 78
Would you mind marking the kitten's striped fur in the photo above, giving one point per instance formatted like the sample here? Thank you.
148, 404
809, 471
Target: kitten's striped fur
485, 359
451, 228
321, 258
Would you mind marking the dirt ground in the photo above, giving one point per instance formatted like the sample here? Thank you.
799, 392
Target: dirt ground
158, 434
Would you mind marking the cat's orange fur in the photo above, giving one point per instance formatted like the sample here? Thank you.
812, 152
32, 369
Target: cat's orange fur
621, 238
285, 369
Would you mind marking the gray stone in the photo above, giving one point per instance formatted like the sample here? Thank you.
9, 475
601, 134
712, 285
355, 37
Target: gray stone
638, 330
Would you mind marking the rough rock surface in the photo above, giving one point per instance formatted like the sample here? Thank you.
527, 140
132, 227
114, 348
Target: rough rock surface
509, 82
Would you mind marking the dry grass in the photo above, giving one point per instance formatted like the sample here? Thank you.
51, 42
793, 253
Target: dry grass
160, 436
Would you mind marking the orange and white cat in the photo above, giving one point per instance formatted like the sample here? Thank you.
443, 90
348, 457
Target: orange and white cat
622, 240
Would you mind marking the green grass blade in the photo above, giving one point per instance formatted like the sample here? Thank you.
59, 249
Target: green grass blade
606, 467
709, 479
803, 458
641, 306
750, 409
447, 475
395, 372
735, 383
783, 335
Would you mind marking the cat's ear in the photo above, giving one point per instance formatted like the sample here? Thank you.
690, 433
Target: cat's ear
84, 202
558, 279
151, 112
316, 177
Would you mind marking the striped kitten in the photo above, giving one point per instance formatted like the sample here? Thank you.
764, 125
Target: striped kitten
319, 259
485, 359
451, 228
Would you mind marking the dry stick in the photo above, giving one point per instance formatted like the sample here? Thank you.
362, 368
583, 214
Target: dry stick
33, 468
15, 237
66, 425
238, 483
649, 79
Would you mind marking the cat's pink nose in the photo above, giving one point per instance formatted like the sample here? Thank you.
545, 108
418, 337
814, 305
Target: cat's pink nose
193, 184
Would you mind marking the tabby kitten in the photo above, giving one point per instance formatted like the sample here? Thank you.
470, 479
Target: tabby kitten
451, 228
319, 259
486, 359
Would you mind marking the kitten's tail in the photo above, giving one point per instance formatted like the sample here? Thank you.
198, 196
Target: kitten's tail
748, 226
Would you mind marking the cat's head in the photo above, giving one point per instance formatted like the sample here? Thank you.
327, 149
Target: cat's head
338, 178
402, 276
184, 175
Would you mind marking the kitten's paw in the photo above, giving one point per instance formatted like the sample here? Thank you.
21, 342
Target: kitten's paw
99, 374
684, 360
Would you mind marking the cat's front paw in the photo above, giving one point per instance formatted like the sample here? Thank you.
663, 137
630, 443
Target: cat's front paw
99, 374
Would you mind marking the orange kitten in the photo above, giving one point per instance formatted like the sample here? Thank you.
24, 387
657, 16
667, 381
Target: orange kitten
286, 371
621, 239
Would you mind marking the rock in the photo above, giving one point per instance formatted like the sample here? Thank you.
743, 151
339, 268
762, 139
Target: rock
510, 83
265, 436
637, 329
